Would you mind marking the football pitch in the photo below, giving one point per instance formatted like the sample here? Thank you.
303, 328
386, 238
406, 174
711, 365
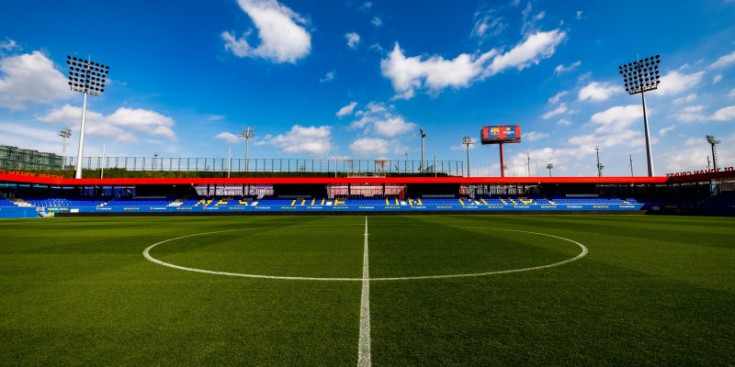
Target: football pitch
439, 290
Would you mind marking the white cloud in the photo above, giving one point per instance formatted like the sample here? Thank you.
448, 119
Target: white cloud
731, 94
120, 125
24, 136
688, 98
555, 112
146, 121
666, 130
557, 97
724, 114
487, 24
694, 156
597, 92
30, 78
535, 136
314, 140
353, 39
8, 45
691, 114
561, 69
564, 122
529, 21
374, 146
227, 137
535, 47
723, 61
716, 79
346, 110
379, 118
579, 15
518, 163
435, 73
675, 82
617, 118
376, 22
366, 6
328, 77
281, 31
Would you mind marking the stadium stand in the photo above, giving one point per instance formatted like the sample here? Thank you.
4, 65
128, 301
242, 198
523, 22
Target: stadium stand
406, 194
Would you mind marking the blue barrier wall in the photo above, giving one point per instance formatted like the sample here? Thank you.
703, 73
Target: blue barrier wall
18, 212
265, 207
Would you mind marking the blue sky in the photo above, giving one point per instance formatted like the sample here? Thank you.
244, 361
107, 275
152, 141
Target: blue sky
356, 79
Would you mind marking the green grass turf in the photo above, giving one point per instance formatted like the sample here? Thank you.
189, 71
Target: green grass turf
654, 290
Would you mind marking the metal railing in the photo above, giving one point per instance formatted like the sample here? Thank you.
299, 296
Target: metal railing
341, 166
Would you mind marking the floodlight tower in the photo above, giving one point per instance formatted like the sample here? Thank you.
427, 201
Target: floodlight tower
85, 77
549, 167
630, 156
639, 77
64, 134
713, 142
423, 136
247, 133
467, 141
599, 166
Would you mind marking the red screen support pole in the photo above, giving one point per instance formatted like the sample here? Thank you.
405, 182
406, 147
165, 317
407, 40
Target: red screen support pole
502, 161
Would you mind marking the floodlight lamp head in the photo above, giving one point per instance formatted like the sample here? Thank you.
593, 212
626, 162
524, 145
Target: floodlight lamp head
711, 139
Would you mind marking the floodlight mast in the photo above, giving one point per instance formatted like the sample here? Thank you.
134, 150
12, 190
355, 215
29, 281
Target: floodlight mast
247, 133
64, 134
85, 77
467, 141
713, 143
423, 136
549, 167
641, 76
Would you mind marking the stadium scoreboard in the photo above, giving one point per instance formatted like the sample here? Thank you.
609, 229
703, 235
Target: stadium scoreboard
500, 134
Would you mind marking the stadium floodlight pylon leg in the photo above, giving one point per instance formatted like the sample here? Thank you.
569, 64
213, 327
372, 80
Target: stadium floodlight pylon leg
502, 161
78, 172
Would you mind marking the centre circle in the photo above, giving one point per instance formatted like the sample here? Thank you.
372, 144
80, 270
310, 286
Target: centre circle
149, 257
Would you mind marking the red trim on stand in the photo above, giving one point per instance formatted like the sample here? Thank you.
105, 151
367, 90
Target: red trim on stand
27, 178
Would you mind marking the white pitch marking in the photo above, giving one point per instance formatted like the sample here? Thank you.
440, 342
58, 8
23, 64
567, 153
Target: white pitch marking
363, 350
146, 254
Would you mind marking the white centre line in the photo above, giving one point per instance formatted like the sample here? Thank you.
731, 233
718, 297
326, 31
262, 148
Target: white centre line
363, 351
